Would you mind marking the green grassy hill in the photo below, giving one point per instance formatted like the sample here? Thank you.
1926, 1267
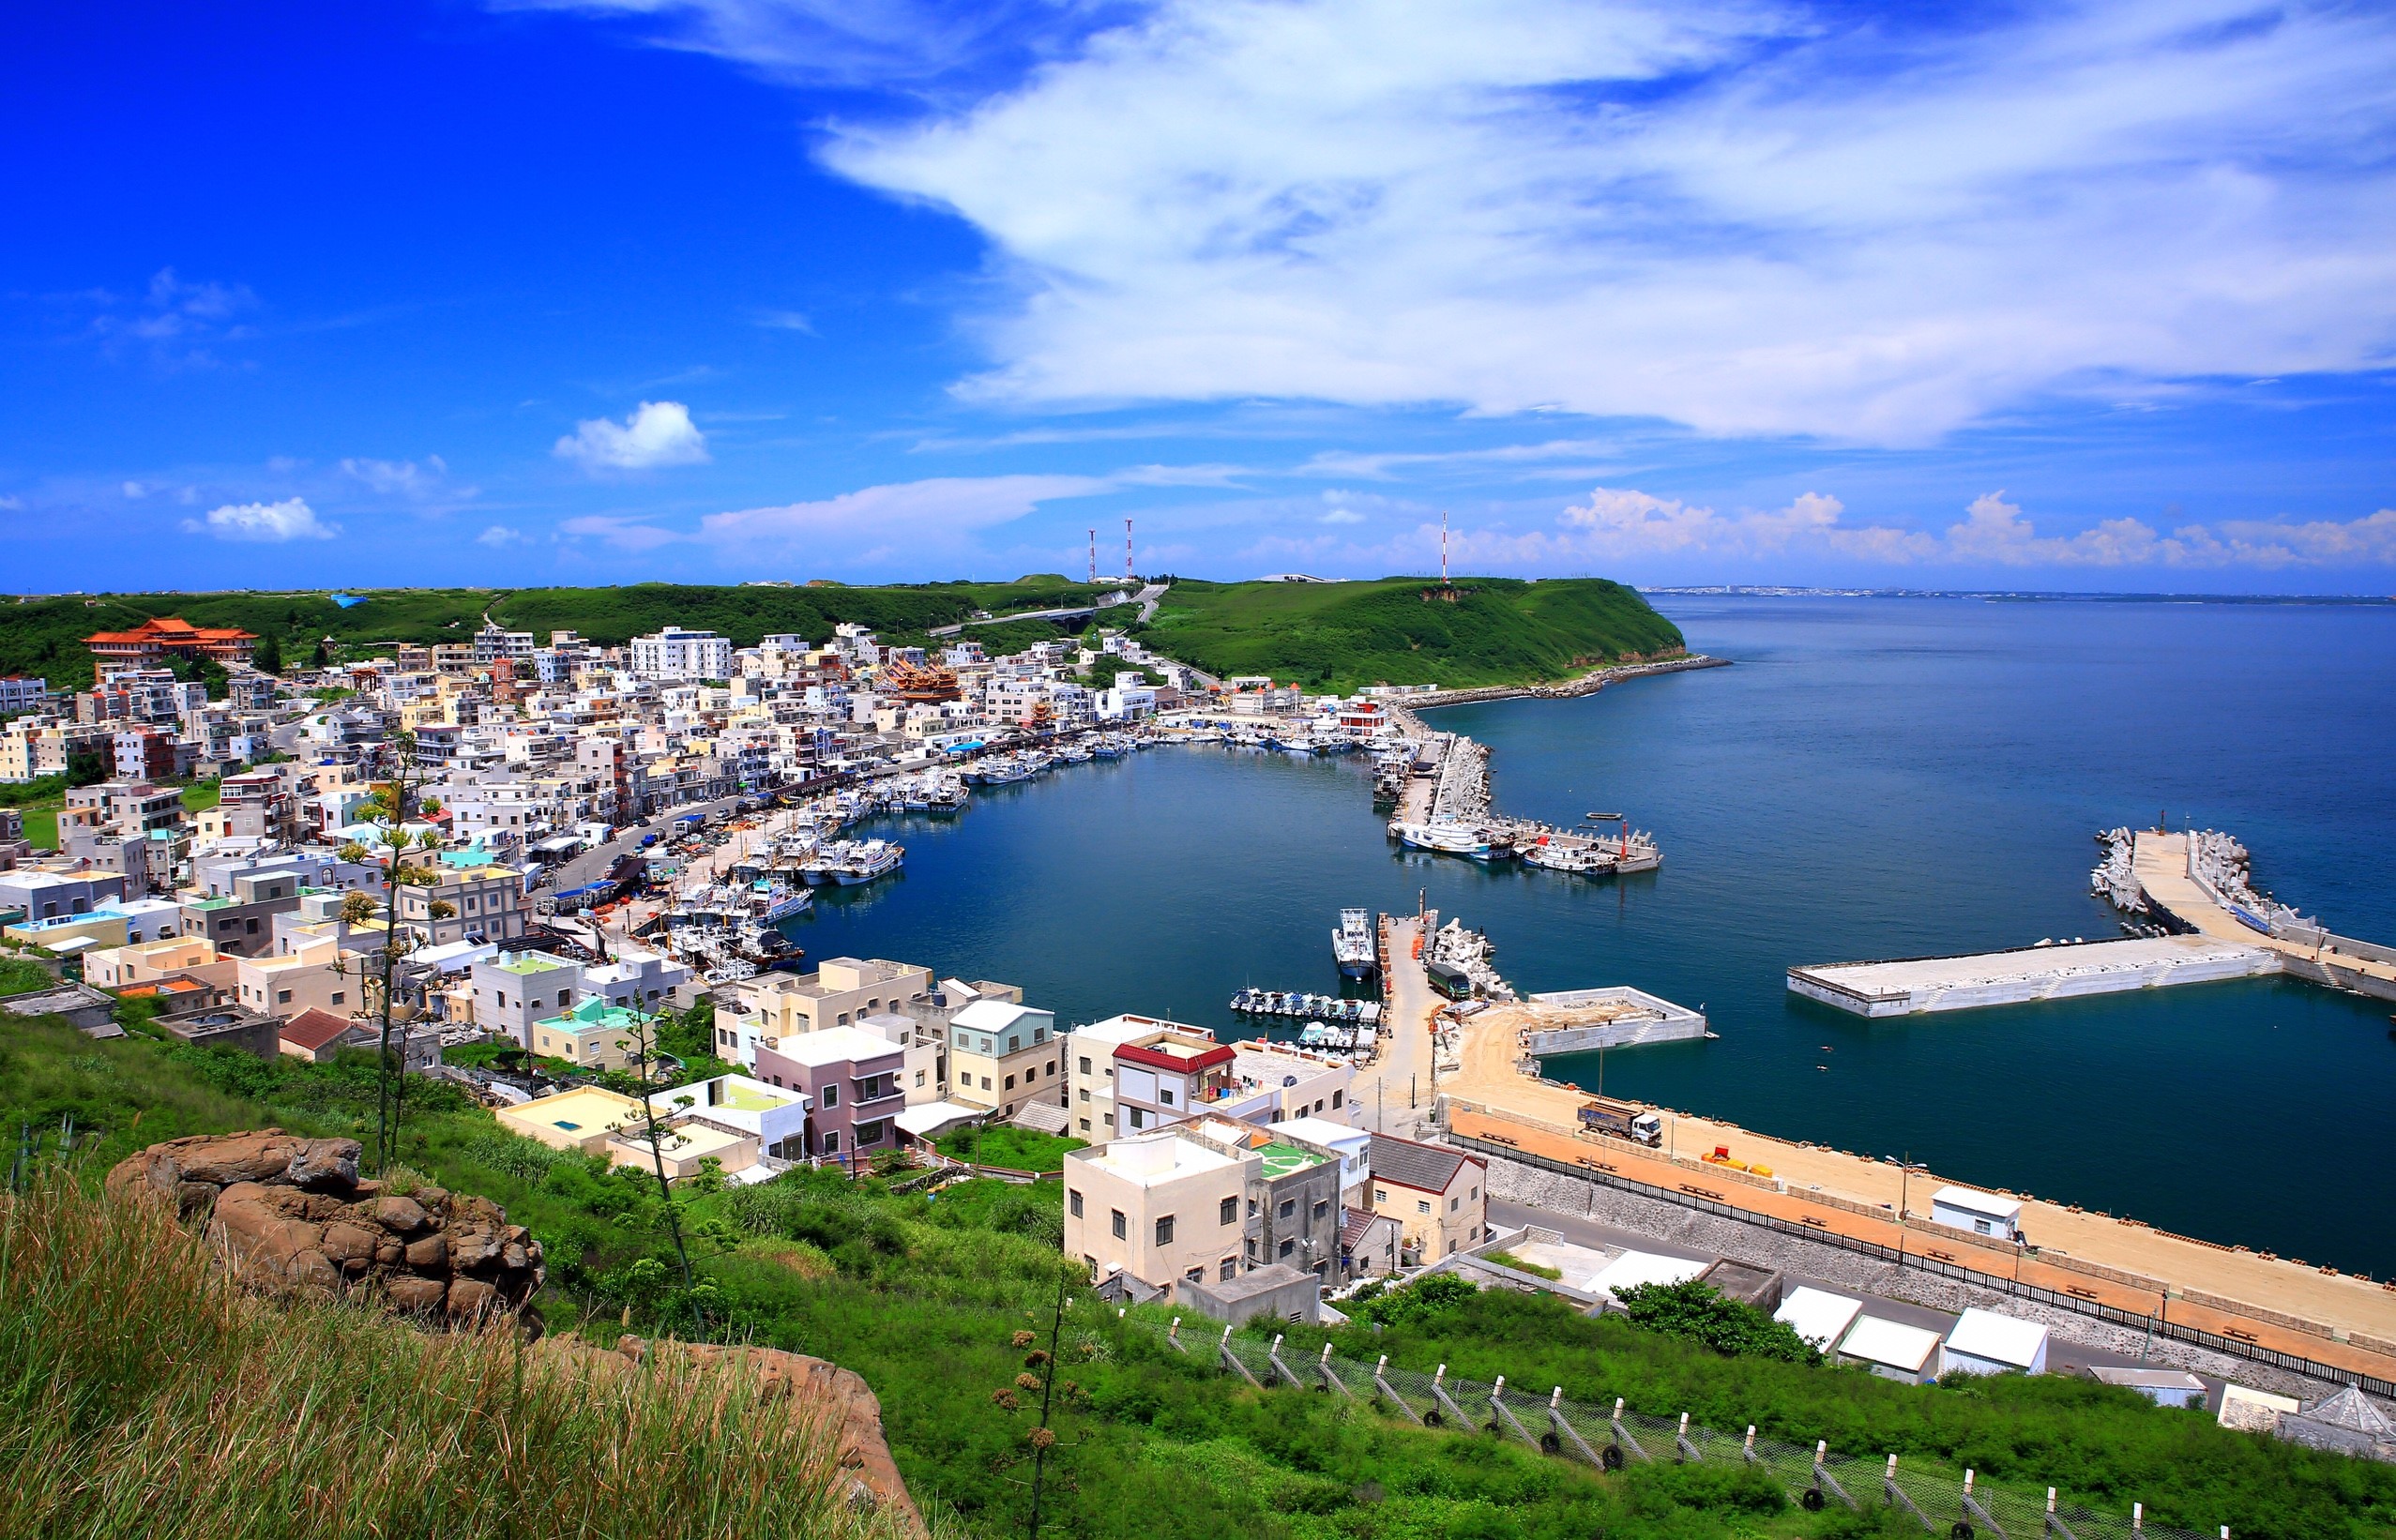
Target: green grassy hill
1497, 631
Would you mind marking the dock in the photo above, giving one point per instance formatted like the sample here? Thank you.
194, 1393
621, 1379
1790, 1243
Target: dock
1910, 985
2179, 880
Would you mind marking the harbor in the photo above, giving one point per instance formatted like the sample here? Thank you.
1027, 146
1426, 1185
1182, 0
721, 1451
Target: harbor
2048, 971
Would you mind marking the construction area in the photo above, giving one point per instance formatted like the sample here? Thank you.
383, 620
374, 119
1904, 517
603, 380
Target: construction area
2020, 974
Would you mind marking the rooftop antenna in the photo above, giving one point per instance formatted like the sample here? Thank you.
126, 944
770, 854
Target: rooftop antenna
1094, 556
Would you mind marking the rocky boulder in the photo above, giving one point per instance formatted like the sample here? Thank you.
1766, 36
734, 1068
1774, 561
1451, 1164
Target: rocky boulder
290, 1214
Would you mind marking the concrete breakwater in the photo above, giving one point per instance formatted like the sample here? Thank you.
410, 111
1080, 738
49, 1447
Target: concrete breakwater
1589, 684
1909, 985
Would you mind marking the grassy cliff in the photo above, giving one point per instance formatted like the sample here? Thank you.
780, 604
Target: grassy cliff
1406, 631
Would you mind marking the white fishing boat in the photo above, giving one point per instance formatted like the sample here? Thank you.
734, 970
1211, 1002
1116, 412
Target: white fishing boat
1452, 838
1354, 945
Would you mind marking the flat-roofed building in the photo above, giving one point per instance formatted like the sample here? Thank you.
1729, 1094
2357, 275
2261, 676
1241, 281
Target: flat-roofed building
581, 1119
1162, 1207
841, 992
1818, 1315
852, 1080
773, 1117
1984, 1342
1891, 1350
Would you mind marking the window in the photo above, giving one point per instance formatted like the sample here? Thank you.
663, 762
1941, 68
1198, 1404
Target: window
1121, 1228
1248, 1249
1322, 1207
1086, 1096
1086, 1125
339, 996
832, 1144
870, 1133
1287, 1247
1231, 1211
1337, 1096
1165, 1230
1288, 1208
1010, 1082
1085, 1067
282, 997
1073, 1200
1135, 1117
1452, 1203
1251, 1208
1014, 1042
985, 1082
1197, 1274
1421, 1207
250, 927
1227, 1269
918, 1077
832, 1094
1381, 1195
1164, 1094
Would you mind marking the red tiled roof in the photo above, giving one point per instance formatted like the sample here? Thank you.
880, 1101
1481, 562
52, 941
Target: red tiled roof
315, 1030
171, 629
1179, 1064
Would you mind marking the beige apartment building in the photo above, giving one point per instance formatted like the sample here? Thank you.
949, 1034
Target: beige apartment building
842, 992
1165, 1208
310, 976
489, 903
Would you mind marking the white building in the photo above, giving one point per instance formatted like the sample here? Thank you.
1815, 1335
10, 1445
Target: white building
1984, 1342
676, 654
1633, 1269
1979, 1213
1891, 1350
1818, 1315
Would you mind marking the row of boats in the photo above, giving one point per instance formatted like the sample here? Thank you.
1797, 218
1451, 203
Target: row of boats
1024, 764
1537, 845
1318, 1007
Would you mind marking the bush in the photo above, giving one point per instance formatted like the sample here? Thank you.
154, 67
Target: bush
1699, 1312
1432, 1294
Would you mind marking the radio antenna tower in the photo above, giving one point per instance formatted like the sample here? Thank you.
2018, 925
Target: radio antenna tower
1093, 557
1443, 548
1126, 550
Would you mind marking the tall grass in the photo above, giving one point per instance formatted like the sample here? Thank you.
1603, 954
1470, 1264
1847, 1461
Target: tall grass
141, 1394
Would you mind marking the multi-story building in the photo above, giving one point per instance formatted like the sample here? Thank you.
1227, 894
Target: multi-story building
1437, 1195
676, 654
487, 903
495, 645
842, 992
150, 642
129, 805
41, 745
1003, 1054
1162, 1207
153, 753
313, 976
1131, 1073
1293, 1213
22, 692
852, 1079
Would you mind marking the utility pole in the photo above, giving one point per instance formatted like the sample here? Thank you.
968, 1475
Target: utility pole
1094, 556
1443, 548
1126, 550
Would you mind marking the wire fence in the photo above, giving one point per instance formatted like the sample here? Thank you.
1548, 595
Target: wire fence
1613, 1436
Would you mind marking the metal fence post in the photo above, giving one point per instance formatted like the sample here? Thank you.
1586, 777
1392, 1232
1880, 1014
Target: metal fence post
1231, 1359
1380, 1378
1895, 1496
1681, 1441
1173, 1336
1972, 1508
1622, 1439
1505, 1416
1323, 1367
1439, 1393
1823, 1479
1564, 1429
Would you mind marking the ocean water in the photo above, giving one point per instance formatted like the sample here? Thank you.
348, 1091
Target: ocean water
1875, 777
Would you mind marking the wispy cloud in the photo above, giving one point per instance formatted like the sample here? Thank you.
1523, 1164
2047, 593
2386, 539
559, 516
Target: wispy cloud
1746, 218
174, 322
899, 522
500, 537
418, 481
657, 434
266, 522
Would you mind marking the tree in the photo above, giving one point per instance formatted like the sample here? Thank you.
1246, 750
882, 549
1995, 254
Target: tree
1699, 1312
268, 658
392, 803
646, 1129
86, 768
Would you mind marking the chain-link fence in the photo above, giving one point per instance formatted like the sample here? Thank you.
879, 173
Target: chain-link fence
1612, 1437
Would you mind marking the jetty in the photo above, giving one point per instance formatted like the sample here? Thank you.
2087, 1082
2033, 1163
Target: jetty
2065, 971
2196, 918
1613, 1016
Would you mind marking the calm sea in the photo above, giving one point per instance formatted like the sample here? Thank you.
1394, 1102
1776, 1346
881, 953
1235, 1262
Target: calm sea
1877, 778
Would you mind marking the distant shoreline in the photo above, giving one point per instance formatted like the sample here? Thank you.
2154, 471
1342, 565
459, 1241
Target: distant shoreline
1589, 684
2016, 596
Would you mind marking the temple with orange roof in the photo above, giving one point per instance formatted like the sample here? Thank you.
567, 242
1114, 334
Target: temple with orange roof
153, 640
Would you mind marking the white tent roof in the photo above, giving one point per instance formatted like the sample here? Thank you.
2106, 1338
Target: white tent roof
1638, 1267
1817, 1315
1973, 1200
1999, 1340
929, 1119
1891, 1342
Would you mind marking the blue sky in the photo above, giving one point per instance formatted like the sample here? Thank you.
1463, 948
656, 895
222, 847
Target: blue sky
595, 291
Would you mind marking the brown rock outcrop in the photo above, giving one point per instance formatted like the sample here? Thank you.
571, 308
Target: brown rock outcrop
291, 1214
810, 1387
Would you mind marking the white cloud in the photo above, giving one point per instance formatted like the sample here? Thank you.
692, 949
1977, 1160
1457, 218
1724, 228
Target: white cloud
899, 521
136, 490
842, 42
786, 321
402, 478
1745, 217
1627, 526
290, 519
658, 433
10, 504
500, 535
624, 533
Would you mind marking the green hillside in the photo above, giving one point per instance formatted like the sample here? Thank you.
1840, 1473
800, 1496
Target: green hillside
1496, 631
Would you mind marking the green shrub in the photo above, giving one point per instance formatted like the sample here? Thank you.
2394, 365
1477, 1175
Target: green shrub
1699, 1312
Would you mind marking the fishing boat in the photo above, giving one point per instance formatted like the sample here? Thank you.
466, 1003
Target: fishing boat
1449, 837
1355, 947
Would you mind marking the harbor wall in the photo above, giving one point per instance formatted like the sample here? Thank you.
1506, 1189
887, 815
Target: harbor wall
2079, 970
